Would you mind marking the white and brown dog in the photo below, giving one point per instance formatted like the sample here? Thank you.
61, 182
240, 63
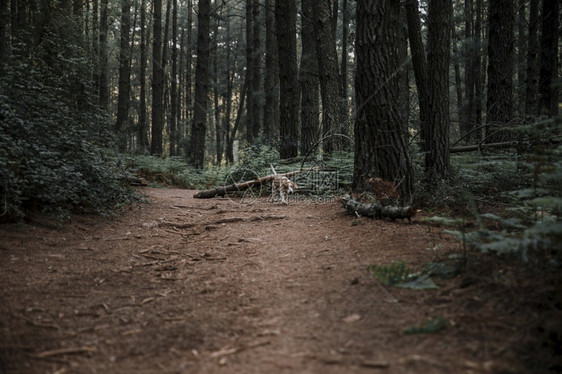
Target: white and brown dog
281, 186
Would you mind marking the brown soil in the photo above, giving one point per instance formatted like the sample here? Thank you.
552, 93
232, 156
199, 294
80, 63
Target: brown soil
183, 285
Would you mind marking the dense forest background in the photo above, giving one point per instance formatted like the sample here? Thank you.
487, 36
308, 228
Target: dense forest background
398, 87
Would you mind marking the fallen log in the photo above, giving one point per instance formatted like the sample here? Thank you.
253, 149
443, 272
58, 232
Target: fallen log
237, 187
377, 210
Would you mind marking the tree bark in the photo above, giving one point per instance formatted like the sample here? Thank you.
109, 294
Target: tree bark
380, 147
521, 57
157, 83
499, 105
124, 76
271, 82
256, 71
438, 57
532, 78
286, 18
250, 66
201, 85
308, 76
103, 58
548, 102
333, 116
142, 137
174, 84
5, 45
419, 63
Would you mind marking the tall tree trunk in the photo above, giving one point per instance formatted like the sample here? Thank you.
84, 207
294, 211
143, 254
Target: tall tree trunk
180, 111
286, 18
143, 123
257, 70
157, 83
457, 68
499, 105
217, 109
380, 147
419, 63
344, 60
104, 57
271, 82
438, 58
250, 66
95, 46
5, 45
532, 78
476, 113
174, 83
124, 76
470, 50
521, 57
165, 60
308, 77
548, 102
333, 115
201, 85
188, 75
227, 97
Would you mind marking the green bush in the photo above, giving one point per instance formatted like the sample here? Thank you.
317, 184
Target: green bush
51, 153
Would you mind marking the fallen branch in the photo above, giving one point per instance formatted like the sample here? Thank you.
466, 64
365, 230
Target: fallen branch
376, 210
478, 147
237, 187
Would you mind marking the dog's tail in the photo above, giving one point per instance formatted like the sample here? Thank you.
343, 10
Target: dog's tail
273, 169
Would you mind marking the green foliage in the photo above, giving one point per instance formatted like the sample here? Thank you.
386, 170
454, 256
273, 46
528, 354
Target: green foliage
53, 137
391, 274
174, 171
527, 183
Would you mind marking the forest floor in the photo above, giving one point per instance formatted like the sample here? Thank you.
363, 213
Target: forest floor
183, 285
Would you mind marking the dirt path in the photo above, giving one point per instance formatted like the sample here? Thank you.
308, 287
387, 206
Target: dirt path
182, 285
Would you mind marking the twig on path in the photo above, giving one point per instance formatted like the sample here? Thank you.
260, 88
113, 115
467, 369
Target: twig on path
65, 351
231, 351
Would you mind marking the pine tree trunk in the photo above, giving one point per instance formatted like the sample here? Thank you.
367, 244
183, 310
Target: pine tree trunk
197, 144
499, 105
228, 95
271, 82
438, 57
286, 18
333, 116
548, 102
476, 114
380, 147
250, 66
532, 79
103, 61
217, 108
5, 46
257, 70
157, 83
124, 76
521, 60
143, 123
419, 63
344, 60
188, 76
308, 76
466, 120
174, 83
457, 68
